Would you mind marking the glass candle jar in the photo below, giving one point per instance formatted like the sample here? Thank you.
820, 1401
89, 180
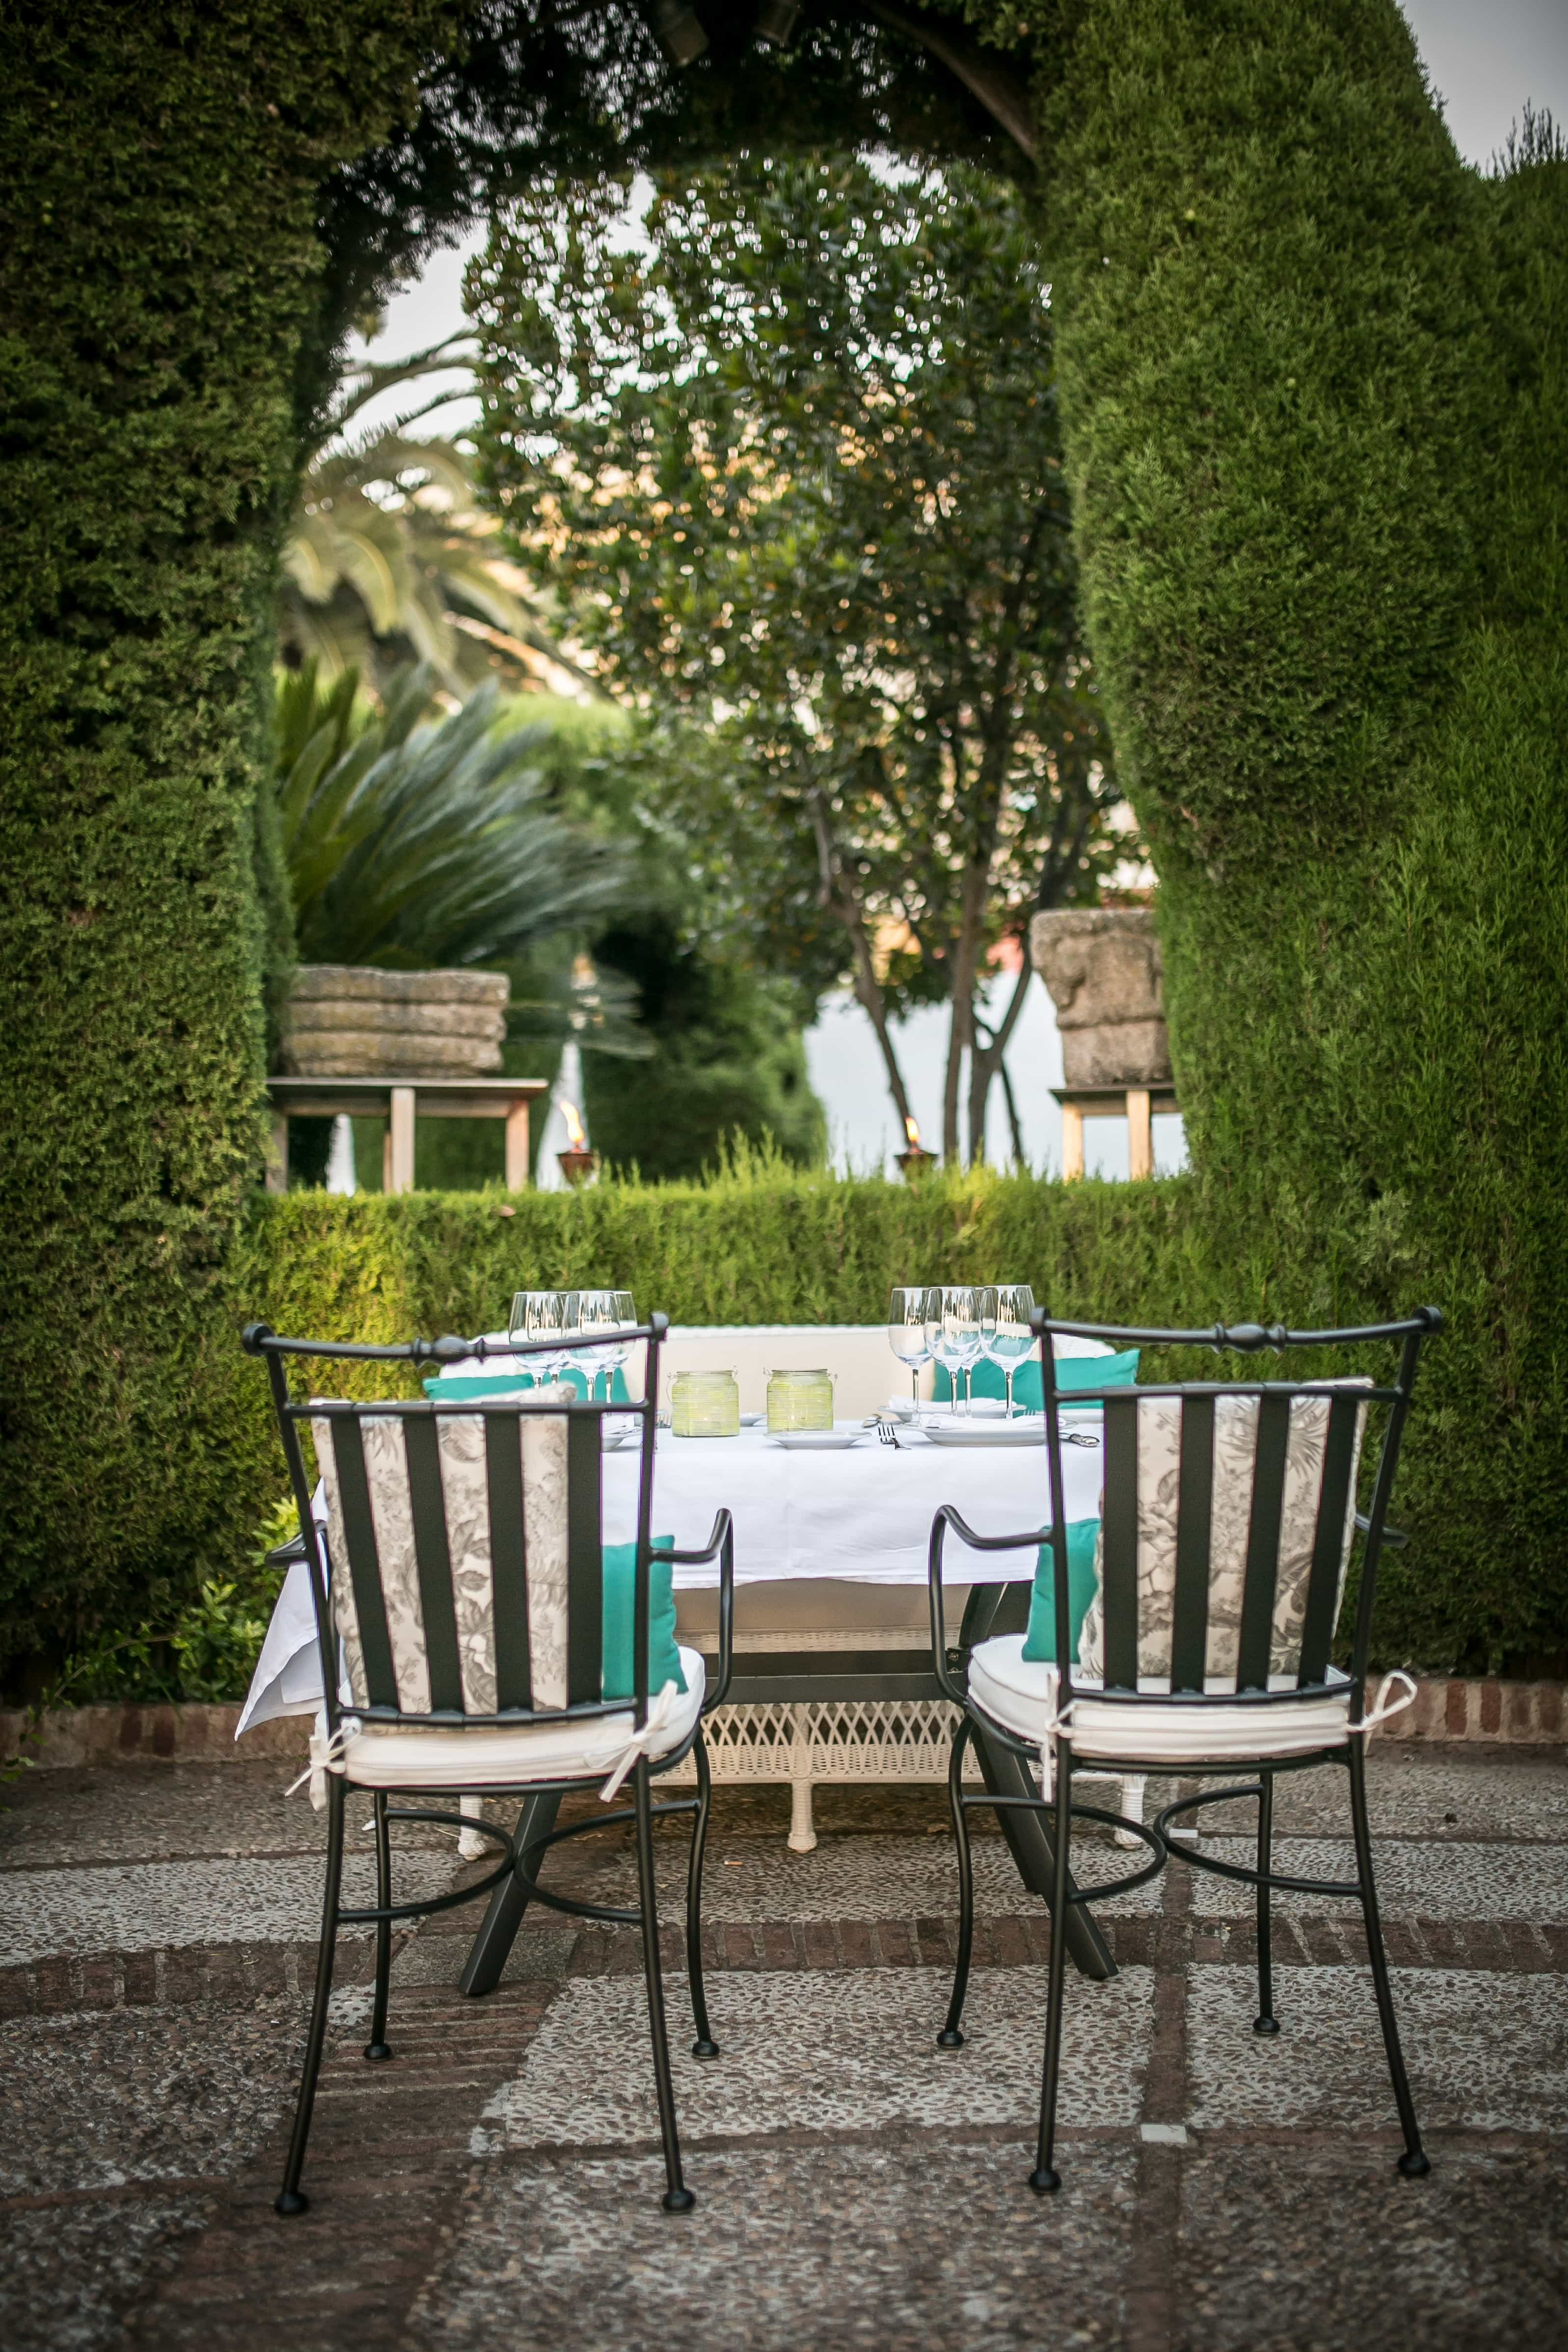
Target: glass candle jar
705, 1404
800, 1399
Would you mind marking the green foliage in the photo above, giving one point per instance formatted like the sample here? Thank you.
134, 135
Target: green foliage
1313, 389
206, 1652
415, 844
1310, 381
794, 453
388, 559
159, 257
728, 1061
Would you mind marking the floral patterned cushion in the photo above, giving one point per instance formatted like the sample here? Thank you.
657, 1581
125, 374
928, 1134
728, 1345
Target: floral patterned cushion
1158, 1498
465, 1492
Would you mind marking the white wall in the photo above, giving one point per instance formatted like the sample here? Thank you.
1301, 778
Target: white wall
863, 1126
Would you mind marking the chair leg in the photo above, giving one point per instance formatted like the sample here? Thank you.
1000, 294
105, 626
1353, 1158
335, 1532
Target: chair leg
677, 2197
950, 2038
376, 2047
1044, 2178
1414, 2161
704, 2046
1265, 2021
289, 2198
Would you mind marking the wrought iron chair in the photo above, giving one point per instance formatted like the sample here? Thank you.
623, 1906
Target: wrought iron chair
1228, 1516
461, 1642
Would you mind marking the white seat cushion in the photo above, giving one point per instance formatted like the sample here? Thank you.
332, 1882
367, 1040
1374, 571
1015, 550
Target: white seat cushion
1021, 1695
485, 1756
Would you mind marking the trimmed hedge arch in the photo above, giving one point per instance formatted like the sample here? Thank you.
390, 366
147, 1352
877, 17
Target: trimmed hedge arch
1312, 386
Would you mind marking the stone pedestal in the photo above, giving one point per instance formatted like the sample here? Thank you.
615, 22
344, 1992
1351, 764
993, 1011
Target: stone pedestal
353, 1021
1102, 966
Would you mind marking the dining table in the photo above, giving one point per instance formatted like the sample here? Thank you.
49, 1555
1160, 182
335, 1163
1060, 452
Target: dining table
860, 1510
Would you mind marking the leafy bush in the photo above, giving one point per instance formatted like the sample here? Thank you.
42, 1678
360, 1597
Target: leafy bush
411, 843
728, 1060
206, 1652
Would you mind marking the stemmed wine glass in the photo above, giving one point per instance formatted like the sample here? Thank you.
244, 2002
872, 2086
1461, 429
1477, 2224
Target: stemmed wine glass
908, 1312
546, 1315
1009, 1338
953, 1332
605, 1310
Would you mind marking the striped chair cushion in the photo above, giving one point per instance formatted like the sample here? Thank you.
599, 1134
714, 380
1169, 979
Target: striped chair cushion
1200, 1490
439, 1634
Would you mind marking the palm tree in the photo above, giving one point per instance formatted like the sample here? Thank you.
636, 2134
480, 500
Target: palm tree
389, 559
413, 843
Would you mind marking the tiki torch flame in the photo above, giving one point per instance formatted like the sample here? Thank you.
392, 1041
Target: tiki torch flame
911, 1128
575, 1128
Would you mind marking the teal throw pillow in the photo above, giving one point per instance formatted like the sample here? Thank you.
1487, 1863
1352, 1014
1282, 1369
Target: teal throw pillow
475, 1384
1040, 1641
616, 1678
1073, 1372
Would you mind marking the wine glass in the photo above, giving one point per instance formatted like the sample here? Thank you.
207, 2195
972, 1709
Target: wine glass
600, 1311
953, 1331
546, 1315
907, 1312
1010, 1338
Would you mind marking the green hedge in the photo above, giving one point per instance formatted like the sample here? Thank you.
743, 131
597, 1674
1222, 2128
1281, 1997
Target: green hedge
1312, 387
1316, 426
765, 1243
159, 262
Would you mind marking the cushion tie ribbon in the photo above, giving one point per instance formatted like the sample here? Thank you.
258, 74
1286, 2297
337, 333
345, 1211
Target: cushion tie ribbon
326, 1756
641, 1742
1383, 1707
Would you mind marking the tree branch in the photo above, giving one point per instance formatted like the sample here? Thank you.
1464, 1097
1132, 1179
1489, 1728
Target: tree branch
989, 74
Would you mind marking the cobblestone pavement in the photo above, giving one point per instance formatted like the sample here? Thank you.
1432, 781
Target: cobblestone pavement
499, 2182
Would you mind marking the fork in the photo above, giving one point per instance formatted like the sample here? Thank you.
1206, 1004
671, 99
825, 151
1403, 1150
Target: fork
888, 1433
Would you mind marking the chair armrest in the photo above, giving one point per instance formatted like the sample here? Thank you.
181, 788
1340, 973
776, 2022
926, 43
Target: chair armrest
722, 1543
284, 1555
947, 1517
1394, 1537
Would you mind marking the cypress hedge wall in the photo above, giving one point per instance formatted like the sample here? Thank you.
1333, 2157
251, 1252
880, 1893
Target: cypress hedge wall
1312, 376
162, 167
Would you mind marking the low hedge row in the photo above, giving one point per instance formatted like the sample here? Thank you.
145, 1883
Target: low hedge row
1479, 1587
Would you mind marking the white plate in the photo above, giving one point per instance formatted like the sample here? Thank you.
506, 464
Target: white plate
901, 1408
988, 1433
815, 1441
610, 1438
753, 1419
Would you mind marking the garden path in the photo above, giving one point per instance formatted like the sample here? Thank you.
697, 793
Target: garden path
498, 2181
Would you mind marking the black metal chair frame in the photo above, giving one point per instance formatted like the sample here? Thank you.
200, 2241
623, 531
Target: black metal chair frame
1188, 1690
519, 1859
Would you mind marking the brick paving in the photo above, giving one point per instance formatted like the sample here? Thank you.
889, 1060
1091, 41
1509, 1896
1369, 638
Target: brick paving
499, 2180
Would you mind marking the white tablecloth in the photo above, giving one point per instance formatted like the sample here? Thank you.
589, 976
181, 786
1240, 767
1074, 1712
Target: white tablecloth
864, 1516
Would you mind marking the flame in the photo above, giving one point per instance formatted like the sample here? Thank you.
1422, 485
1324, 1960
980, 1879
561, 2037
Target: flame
911, 1128
575, 1128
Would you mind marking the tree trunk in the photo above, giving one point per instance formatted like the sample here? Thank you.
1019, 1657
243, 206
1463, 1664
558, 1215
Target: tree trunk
965, 975
985, 1061
838, 897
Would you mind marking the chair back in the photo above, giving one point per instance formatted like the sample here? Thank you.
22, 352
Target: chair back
1228, 1515
463, 1568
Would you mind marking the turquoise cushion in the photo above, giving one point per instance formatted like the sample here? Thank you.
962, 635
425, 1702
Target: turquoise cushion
615, 1675
467, 1384
1040, 1641
1073, 1372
